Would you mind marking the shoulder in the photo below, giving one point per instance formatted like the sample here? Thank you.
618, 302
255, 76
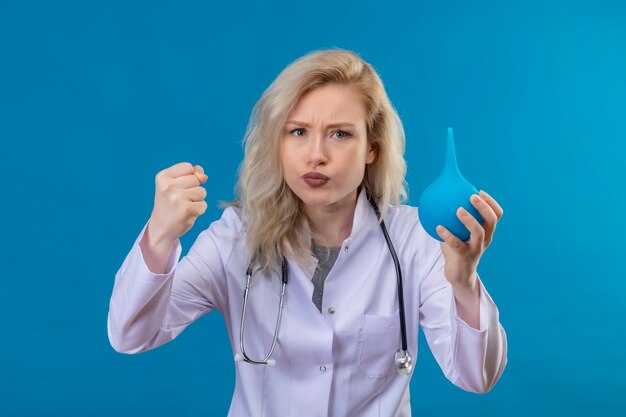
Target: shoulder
222, 236
226, 231
403, 217
404, 226
229, 224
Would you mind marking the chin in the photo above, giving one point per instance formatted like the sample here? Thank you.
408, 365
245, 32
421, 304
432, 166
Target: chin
320, 197
314, 196
310, 199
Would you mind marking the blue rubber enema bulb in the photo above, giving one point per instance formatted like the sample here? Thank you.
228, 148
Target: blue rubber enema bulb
441, 199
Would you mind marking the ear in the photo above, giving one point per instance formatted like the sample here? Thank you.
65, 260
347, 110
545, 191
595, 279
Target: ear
372, 153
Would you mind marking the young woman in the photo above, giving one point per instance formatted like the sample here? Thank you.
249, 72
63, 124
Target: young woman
322, 274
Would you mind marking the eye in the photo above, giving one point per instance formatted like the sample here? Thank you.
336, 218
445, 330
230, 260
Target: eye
343, 134
297, 130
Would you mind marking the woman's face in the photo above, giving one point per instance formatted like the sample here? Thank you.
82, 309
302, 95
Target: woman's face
326, 134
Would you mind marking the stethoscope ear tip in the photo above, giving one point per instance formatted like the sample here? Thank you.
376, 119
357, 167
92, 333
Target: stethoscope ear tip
238, 357
271, 362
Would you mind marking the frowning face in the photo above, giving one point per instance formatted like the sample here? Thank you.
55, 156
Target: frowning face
324, 147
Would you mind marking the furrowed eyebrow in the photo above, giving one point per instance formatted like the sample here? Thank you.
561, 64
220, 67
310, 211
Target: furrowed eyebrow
295, 122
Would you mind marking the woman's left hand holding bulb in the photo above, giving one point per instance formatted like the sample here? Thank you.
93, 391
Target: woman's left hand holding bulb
461, 258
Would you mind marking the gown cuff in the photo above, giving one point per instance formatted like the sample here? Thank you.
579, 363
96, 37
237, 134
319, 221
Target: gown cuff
143, 272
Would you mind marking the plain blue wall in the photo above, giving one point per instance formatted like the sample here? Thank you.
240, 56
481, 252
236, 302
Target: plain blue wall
95, 99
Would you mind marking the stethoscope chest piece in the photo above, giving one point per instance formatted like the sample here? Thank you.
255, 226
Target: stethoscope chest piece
404, 362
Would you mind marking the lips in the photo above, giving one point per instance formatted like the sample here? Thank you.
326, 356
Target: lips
315, 176
315, 179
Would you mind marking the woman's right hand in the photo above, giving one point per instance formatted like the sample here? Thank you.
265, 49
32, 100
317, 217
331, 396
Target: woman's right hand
178, 201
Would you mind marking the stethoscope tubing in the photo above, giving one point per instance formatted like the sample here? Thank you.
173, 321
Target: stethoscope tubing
398, 273
285, 278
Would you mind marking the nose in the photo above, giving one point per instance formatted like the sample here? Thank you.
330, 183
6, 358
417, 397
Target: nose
318, 154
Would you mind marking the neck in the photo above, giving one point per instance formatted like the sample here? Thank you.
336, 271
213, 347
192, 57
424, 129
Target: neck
331, 225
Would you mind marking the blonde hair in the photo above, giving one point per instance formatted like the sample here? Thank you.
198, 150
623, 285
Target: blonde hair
273, 220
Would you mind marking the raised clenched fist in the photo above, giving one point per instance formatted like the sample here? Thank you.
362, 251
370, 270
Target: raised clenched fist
178, 201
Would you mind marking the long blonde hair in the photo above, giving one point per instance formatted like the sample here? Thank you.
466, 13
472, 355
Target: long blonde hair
273, 220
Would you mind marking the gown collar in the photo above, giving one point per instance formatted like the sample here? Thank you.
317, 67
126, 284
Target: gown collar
364, 220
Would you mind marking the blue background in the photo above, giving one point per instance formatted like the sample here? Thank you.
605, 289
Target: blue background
97, 97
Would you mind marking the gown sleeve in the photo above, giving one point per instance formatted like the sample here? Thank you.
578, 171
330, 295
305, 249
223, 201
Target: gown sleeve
472, 359
147, 310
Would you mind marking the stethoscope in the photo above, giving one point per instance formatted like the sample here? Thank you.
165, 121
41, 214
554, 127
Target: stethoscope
402, 357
